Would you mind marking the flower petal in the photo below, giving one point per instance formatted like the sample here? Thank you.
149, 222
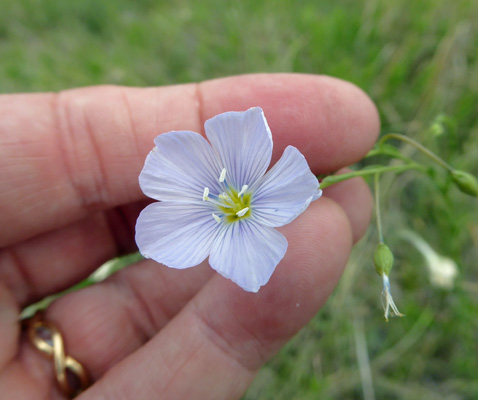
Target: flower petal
243, 142
247, 253
179, 167
285, 191
175, 234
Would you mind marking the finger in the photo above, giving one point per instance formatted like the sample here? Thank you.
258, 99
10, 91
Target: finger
65, 156
355, 198
213, 348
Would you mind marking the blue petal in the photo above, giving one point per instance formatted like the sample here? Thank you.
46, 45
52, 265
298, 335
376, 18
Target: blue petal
175, 234
179, 168
285, 191
243, 142
247, 253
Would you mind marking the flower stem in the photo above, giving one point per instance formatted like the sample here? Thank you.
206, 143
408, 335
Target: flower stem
332, 179
418, 146
378, 217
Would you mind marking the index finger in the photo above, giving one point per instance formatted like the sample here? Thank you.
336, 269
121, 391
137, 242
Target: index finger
67, 155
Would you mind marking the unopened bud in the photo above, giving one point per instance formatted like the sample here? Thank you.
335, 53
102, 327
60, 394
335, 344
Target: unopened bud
383, 259
443, 125
437, 129
466, 182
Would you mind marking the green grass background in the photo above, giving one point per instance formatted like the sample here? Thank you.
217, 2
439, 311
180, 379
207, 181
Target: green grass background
416, 59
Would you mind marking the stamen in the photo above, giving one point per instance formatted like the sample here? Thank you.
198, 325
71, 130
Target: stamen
243, 190
242, 212
223, 175
212, 196
218, 220
205, 194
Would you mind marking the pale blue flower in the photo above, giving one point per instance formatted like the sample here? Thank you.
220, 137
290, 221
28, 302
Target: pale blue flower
217, 199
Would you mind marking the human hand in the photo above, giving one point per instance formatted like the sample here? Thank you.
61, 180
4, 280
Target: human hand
69, 198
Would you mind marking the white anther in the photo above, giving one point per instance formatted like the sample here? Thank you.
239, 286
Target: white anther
243, 190
223, 175
216, 218
242, 212
205, 194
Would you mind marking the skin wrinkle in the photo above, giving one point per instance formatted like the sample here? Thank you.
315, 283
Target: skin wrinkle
22, 280
98, 181
92, 190
200, 108
142, 308
178, 369
63, 131
132, 126
215, 339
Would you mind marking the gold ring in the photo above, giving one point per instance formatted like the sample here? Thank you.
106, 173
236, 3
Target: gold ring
70, 375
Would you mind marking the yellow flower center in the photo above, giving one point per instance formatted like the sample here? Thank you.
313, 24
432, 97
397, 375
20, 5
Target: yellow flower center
232, 205
239, 205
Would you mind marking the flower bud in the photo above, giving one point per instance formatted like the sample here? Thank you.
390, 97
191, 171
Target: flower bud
466, 182
383, 259
437, 129
443, 125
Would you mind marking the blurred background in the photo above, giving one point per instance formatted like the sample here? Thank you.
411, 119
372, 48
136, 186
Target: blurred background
417, 60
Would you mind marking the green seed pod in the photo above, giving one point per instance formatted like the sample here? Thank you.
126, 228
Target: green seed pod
383, 259
466, 182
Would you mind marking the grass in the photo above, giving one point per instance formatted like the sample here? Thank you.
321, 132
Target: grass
416, 60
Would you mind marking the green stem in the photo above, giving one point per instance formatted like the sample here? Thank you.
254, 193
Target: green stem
378, 151
378, 217
332, 179
418, 146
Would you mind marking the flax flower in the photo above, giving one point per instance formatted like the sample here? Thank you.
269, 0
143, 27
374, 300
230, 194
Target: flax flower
219, 199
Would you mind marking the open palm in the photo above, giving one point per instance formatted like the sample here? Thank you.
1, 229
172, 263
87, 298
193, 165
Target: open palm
69, 199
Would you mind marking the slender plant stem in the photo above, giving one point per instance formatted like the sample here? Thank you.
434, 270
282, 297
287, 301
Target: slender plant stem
377, 151
332, 179
419, 147
378, 217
